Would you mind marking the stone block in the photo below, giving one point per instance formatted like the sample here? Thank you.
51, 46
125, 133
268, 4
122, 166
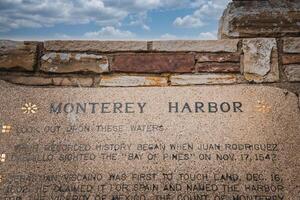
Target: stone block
217, 57
203, 79
27, 80
73, 81
153, 63
292, 72
218, 67
197, 45
131, 81
291, 45
74, 62
30, 80
290, 59
17, 55
260, 60
95, 46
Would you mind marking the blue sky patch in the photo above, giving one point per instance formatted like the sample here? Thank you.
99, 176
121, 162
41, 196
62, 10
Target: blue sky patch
110, 19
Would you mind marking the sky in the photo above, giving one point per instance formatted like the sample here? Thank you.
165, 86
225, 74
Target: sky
110, 19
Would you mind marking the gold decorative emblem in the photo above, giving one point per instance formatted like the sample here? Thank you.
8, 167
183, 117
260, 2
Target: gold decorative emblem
6, 129
29, 108
263, 107
3, 157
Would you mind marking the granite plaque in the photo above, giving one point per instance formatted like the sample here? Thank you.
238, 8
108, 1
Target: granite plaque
182, 143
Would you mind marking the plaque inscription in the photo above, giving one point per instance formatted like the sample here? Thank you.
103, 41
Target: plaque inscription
183, 143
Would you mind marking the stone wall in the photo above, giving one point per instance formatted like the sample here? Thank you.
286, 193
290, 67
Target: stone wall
270, 58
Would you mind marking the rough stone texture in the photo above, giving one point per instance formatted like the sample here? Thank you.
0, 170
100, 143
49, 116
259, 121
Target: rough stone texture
293, 87
49, 81
95, 46
131, 81
153, 63
260, 19
260, 60
203, 79
17, 55
27, 80
73, 81
217, 57
291, 45
218, 67
269, 122
74, 62
290, 59
292, 72
197, 45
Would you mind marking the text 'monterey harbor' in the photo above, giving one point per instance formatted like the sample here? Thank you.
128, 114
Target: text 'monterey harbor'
141, 107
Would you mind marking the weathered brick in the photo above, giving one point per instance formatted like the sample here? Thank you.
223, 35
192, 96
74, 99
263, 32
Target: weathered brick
290, 59
153, 63
74, 62
291, 45
203, 79
131, 81
197, 45
218, 67
218, 57
260, 60
95, 46
292, 72
17, 55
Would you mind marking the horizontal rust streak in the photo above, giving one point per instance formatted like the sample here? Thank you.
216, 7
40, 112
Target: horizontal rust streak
291, 59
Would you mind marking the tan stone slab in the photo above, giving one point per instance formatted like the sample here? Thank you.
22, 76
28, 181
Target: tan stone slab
27, 80
95, 46
197, 45
73, 81
31, 80
74, 62
291, 45
292, 72
203, 79
260, 60
139, 138
17, 55
132, 80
